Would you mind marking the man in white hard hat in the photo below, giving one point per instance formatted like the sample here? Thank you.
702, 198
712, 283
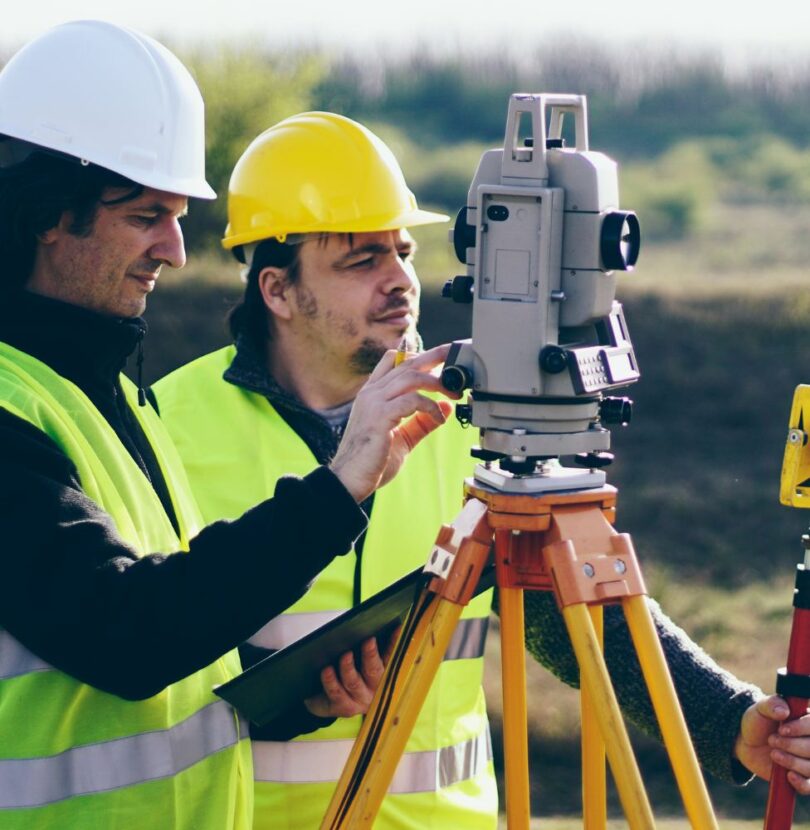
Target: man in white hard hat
119, 614
319, 212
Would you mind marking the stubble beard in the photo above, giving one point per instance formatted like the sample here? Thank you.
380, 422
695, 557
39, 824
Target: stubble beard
366, 356
370, 351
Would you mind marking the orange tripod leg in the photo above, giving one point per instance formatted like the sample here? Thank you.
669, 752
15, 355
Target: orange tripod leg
668, 711
594, 783
515, 728
595, 678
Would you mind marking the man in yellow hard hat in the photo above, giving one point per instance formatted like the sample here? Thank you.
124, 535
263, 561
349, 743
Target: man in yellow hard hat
319, 213
119, 611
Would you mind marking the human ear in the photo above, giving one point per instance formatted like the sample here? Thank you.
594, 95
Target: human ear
51, 235
274, 288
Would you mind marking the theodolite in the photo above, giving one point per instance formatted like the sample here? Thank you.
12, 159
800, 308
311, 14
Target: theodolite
542, 237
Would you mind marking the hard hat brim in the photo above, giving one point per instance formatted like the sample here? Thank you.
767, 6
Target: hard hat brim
264, 229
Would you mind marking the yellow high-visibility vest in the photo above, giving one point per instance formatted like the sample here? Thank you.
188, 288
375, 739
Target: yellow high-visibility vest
235, 446
74, 757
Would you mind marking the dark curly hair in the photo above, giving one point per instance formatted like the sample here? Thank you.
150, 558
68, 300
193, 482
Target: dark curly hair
36, 191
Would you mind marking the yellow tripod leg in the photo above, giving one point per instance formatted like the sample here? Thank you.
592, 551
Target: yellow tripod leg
456, 563
515, 729
422, 659
594, 785
594, 677
670, 718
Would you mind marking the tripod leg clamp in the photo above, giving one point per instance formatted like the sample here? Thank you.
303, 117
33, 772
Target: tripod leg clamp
460, 553
594, 578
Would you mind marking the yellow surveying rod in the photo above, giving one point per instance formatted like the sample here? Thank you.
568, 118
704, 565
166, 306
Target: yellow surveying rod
794, 490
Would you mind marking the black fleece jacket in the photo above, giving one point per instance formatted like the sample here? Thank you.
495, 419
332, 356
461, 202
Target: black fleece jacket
74, 593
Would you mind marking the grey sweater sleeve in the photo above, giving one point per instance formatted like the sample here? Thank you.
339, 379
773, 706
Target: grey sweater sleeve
712, 699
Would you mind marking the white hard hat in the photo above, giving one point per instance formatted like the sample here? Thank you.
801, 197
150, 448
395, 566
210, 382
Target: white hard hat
112, 97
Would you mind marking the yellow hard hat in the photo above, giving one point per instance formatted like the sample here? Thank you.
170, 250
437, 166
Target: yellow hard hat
318, 172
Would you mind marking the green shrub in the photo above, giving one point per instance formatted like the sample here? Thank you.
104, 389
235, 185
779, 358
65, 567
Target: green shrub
777, 171
672, 193
245, 91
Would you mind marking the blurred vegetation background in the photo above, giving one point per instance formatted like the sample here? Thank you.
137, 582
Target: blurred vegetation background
717, 164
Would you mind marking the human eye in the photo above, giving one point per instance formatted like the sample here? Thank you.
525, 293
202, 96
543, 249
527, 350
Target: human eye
407, 252
144, 220
361, 264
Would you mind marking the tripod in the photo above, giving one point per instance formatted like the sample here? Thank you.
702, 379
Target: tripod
562, 542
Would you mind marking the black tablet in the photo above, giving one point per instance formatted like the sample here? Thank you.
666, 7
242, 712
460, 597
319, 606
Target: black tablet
282, 680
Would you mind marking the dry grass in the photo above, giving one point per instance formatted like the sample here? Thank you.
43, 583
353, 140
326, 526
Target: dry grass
745, 630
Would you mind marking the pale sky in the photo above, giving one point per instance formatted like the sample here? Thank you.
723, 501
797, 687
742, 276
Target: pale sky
775, 30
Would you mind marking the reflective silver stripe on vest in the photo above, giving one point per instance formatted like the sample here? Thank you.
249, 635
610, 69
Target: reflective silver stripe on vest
468, 639
317, 762
16, 659
122, 762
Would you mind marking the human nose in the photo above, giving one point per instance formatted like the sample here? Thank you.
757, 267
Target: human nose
170, 247
399, 276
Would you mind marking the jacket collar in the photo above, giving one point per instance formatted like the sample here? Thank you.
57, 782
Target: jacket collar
248, 370
81, 345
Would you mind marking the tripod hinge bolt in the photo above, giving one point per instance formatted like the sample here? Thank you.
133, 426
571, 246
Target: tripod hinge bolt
588, 570
796, 436
619, 566
439, 562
